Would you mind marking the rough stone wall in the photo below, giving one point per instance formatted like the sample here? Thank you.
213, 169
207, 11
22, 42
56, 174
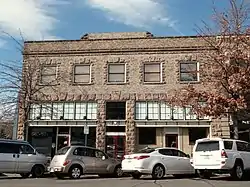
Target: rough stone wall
101, 128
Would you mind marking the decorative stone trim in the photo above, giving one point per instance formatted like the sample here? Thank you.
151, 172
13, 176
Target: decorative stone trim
152, 60
84, 61
101, 127
116, 61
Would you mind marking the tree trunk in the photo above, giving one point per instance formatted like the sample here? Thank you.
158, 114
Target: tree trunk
235, 126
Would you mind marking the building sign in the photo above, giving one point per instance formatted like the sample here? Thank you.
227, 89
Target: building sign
40, 134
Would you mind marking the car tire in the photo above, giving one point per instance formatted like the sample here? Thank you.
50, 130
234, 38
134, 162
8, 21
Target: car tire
118, 171
75, 172
37, 171
136, 175
25, 175
158, 172
237, 172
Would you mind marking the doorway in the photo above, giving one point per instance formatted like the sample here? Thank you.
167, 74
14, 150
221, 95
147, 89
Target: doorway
115, 146
171, 140
63, 137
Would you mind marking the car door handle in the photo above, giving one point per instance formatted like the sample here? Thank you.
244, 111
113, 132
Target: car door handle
162, 158
14, 156
18, 156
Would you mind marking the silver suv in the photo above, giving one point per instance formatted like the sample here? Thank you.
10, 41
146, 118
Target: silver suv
77, 160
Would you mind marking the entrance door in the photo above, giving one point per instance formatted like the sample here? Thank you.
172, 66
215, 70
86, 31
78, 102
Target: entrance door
115, 146
171, 140
62, 141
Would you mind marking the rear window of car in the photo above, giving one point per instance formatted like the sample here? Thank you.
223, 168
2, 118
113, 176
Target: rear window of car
208, 146
228, 144
62, 151
147, 150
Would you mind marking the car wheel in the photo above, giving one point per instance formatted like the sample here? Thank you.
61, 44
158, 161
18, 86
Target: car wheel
237, 172
136, 175
158, 172
118, 171
25, 175
37, 171
75, 172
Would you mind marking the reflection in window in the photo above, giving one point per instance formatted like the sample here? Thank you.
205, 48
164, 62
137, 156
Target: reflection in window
189, 114
178, 113
46, 111
188, 71
69, 110
92, 111
48, 74
80, 112
35, 110
57, 111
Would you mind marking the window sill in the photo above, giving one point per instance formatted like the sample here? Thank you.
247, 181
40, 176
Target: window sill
150, 83
81, 84
189, 82
54, 84
116, 83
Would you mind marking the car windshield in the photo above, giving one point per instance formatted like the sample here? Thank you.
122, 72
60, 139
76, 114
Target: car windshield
207, 146
62, 151
146, 150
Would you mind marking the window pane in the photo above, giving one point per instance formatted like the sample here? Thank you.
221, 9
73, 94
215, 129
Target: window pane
49, 70
35, 111
153, 110
147, 136
189, 76
46, 111
152, 77
80, 111
152, 68
57, 110
82, 69
116, 68
166, 111
69, 110
82, 78
141, 110
188, 67
92, 111
178, 113
189, 114
48, 79
116, 78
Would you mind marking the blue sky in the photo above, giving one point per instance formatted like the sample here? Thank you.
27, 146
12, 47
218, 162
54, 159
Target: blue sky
70, 19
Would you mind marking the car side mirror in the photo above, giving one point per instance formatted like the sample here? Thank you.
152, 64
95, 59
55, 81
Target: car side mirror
103, 157
34, 153
188, 156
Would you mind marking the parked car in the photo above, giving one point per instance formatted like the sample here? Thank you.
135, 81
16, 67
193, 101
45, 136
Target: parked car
21, 158
221, 156
157, 162
77, 160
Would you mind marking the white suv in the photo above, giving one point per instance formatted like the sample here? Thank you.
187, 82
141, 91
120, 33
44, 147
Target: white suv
221, 156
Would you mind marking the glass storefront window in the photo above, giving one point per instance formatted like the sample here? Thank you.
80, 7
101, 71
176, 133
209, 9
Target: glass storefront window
77, 136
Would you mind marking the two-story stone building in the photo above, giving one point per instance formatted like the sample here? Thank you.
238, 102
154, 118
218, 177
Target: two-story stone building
116, 84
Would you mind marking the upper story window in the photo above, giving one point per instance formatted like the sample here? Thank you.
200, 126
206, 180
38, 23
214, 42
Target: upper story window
189, 71
116, 73
82, 73
153, 72
48, 74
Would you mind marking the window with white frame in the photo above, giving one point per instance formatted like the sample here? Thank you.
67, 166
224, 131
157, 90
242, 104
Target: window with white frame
189, 114
116, 73
57, 111
46, 111
48, 74
69, 111
92, 111
152, 72
35, 111
178, 113
82, 73
189, 71
166, 111
153, 110
141, 110
81, 111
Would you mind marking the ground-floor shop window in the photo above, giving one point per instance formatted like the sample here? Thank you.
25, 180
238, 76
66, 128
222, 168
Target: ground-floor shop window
196, 133
78, 136
147, 135
43, 139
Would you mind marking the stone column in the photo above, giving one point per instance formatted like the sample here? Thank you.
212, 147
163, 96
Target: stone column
130, 127
20, 125
101, 127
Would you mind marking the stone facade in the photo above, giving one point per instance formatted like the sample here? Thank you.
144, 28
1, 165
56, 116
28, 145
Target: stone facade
134, 49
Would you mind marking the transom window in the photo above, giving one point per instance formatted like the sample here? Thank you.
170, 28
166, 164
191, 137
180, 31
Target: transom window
116, 73
48, 74
189, 71
152, 72
82, 73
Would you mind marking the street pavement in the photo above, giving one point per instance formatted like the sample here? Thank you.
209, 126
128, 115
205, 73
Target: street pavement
92, 181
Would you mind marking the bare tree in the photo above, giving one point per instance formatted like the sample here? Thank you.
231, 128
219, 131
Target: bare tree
225, 69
